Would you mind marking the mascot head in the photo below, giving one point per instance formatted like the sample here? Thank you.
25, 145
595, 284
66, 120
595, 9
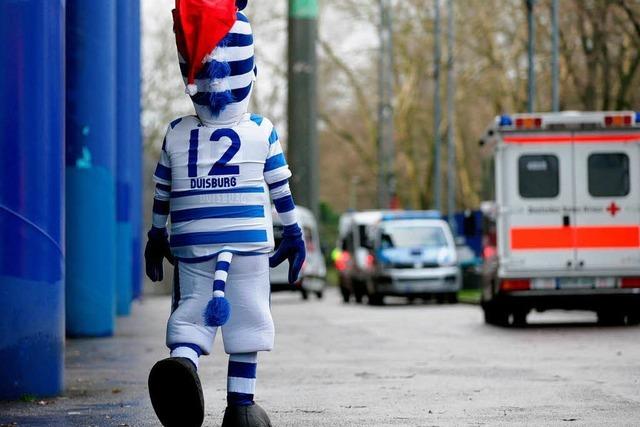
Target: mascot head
215, 50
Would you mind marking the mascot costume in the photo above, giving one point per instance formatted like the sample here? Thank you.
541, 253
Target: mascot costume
217, 172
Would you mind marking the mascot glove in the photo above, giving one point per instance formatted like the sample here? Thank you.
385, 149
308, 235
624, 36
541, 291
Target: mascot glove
291, 248
157, 249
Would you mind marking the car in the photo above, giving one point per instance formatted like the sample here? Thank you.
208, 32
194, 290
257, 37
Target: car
314, 270
412, 254
352, 250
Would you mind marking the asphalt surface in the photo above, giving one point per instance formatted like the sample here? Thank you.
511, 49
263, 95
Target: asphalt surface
355, 365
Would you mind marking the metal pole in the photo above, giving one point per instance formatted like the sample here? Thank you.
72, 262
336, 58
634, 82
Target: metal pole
555, 89
451, 146
91, 168
32, 198
531, 25
302, 102
437, 113
386, 149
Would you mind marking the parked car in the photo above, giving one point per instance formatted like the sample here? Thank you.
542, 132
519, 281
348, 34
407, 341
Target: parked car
412, 254
314, 270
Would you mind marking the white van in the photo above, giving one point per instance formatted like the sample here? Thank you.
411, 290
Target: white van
351, 255
314, 270
568, 215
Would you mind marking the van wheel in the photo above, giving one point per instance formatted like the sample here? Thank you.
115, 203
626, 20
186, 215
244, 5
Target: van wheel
305, 294
358, 291
633, 319
376, 299
319, 294
346, 295
495, 316
610, 317
633, 316
520, 318
452, 297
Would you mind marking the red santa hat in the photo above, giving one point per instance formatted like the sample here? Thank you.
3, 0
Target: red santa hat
199, 26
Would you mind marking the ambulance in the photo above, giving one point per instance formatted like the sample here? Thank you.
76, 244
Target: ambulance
567, 209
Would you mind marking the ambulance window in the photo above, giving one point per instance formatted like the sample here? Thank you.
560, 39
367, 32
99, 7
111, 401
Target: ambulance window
608, 174
538, 176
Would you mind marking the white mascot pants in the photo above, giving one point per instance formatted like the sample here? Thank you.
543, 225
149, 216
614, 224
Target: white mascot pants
250, 326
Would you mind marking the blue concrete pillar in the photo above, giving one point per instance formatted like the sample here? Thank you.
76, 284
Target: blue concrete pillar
31, 198
127, 142
91, 167
136, 154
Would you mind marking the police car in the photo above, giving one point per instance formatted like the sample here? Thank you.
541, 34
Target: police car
400, 253
413, 254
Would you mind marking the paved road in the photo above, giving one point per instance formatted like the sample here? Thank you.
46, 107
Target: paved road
354, 365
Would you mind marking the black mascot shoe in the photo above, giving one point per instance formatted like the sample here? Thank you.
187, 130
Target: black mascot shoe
176, 393
245, 416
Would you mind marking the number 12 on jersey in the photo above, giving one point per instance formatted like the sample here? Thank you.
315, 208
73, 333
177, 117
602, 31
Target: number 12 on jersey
220, 167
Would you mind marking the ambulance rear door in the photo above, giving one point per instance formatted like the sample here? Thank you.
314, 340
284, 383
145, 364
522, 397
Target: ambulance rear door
607, 183
534, 176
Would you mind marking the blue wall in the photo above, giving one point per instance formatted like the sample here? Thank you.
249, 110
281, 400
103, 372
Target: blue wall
91, 167
31, 198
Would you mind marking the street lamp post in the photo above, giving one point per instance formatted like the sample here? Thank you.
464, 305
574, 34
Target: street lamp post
531, 25
302, 139
437, 113
386, 149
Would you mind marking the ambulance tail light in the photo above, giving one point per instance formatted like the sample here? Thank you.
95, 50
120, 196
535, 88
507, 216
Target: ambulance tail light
529, 123
509, 285
630, 282
619, 120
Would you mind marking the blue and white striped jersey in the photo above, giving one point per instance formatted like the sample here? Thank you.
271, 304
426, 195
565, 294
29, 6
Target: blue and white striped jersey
214, 182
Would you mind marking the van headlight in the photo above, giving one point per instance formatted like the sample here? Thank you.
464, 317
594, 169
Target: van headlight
446, 259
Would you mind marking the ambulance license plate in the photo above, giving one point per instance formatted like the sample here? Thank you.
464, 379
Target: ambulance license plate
576, 283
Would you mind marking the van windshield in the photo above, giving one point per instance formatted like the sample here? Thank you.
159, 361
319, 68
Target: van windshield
412, 236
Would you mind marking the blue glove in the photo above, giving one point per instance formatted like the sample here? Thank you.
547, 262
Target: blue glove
291, 248
157, 249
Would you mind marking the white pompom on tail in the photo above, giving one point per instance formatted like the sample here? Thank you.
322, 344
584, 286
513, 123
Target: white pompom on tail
218, 309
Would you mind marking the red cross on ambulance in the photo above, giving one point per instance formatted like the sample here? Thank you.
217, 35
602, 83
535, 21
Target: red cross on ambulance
613, 208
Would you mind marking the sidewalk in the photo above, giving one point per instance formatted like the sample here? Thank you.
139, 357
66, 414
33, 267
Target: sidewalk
105, 378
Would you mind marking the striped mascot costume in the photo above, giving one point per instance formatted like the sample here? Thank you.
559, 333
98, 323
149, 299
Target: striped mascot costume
218, 172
